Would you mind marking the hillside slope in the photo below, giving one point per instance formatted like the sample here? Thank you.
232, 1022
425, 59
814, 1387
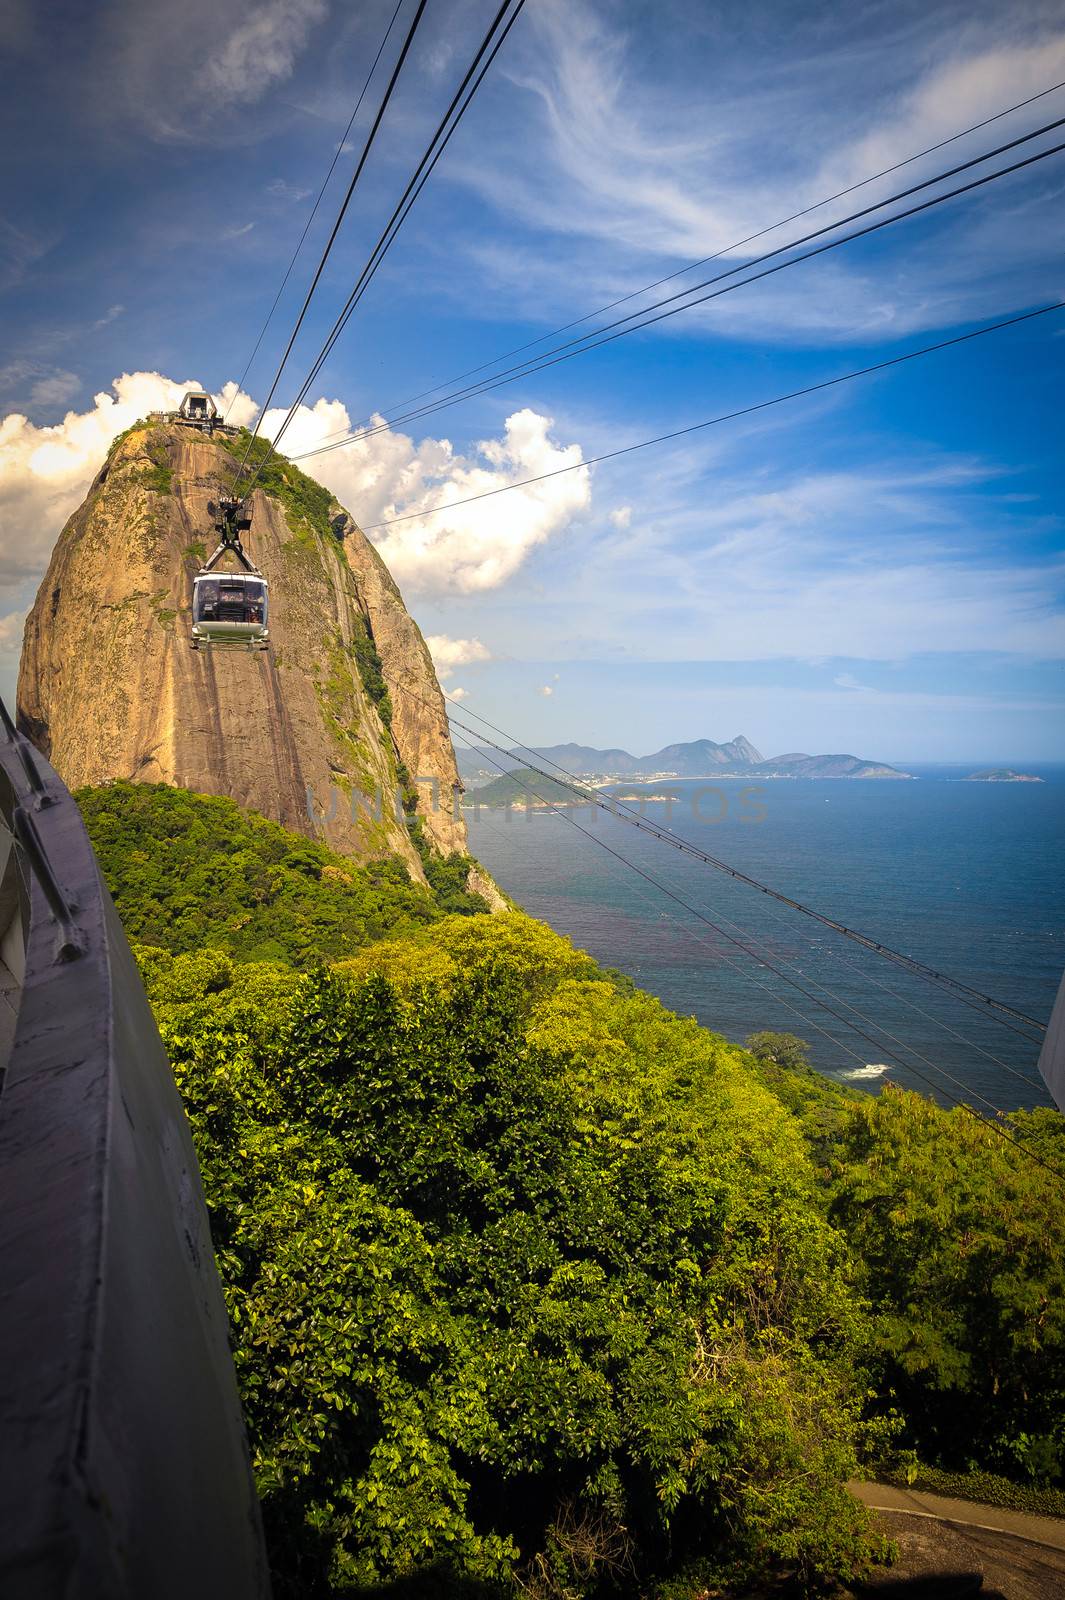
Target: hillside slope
345, 704
530, 1279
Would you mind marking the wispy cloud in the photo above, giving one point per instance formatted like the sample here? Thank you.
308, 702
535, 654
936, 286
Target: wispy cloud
286, 191
196, 64
907, 558
20, 248
638, 167
37, 386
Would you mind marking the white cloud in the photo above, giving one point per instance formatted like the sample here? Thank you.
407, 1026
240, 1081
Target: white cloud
546, 690
458, 693
448, 653
237, 232
467, 549
621, 517
46, 471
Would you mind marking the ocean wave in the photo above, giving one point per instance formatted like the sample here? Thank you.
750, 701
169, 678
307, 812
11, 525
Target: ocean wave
875, 1069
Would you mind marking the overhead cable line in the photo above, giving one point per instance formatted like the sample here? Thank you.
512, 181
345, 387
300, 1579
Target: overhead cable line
780, 963
367, 147
905, 1000
712, 422
314, 208
666, 836
624, 813
714, 949
703, 261
480, 64
603, 336
617, 806
963, 1105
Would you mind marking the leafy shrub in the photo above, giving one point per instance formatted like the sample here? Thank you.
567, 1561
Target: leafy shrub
538, 1289
986, 1487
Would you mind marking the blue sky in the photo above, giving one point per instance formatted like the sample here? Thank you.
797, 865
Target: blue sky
878, 569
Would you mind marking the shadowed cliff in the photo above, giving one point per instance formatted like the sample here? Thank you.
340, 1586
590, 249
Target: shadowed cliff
344, 707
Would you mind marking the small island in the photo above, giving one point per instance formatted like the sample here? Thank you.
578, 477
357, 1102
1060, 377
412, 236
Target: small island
524, 789
1002, 775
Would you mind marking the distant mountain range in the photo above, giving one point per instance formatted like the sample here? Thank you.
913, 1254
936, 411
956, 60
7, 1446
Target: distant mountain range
701, 758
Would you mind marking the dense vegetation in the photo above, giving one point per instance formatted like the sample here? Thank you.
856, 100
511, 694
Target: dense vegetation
537, 1289
527, 1276
189, 871
307, 504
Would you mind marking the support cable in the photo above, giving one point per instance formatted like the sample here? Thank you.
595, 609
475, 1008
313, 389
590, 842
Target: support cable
703, 261
905, 1000
602, 336
715, 950
712, 422
410, 195
367, 147
633, 819
963, 1105
624, 813
314, 209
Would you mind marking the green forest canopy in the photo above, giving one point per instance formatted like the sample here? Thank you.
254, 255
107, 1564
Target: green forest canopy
539, 1289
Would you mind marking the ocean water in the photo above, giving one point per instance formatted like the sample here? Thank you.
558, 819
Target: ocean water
967, 877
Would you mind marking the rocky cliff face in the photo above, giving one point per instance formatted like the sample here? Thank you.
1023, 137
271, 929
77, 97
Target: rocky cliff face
345, 707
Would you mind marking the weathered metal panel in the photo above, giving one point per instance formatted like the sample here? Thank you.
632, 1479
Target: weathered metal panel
123, 1462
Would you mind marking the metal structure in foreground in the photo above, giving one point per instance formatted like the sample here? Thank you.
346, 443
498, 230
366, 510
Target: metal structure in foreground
124, 1470
1052, 1055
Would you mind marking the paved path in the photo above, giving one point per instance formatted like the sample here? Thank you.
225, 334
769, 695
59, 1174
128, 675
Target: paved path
951, 1548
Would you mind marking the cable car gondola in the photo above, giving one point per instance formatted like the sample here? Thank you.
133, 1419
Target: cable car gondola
230, 610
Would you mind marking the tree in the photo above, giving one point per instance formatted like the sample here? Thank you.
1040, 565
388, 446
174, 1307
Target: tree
959, 1237
526, 1276
783, 1049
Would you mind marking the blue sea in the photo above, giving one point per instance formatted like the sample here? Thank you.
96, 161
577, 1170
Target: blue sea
966, 877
